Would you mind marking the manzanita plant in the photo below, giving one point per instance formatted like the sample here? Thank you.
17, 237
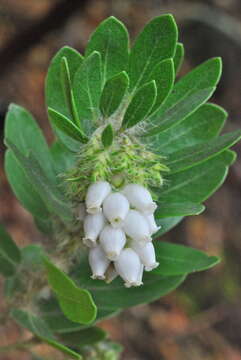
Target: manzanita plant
135, 152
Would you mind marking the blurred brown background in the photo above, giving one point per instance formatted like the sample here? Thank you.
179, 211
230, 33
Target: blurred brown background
202, 319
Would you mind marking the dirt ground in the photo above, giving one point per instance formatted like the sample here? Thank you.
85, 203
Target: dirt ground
202, 319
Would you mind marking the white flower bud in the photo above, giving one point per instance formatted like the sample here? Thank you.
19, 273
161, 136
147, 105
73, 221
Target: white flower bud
128, 266
81, 212
115, 208
93, 224
139, 198
146, 254
136, 226
152, 223
112, 241
95, 196
98, 263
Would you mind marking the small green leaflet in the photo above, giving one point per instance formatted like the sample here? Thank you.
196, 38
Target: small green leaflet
164, 76
39, 328
192, 155
67, 86
156, 42
65, 125
54, 90
107, 136
178, 259
113, 93
178, 57
76, 303
202, 125
169, 209
10, 256
140, 105
87, 90
111, 40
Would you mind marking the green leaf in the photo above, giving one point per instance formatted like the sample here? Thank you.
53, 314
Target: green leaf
76, 303
178, 57
22, 130
23, 188
48, 191
87, 90
65, 125
107, 136
164, 76
192, 155
177, 113
140, 105
204, 124
111, 40
113, 93
63, 159
54, 90
54, 317
115, 296
67, 86
178, 259
39, 328
199, 182
169, 209
155, 43
10, 256
202, 77
167, 224
85, 337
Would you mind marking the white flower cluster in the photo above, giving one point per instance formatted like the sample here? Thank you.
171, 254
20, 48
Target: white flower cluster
118, 228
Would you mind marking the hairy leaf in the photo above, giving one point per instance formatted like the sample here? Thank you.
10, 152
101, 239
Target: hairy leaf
113, 93
65, 125
156, 42
204, 124
169, 209
164, 76
87, 90
178, 57
111, 40
76, 303
178, 259
140, 105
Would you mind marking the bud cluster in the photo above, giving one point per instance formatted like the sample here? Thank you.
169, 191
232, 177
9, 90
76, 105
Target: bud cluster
117, 229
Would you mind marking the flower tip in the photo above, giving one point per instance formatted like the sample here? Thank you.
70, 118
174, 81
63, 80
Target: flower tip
152, 267
90, 243
117, 222
112, 255
94, 210
150, 208
97, 277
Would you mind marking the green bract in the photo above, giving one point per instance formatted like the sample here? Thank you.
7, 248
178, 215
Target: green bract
118, 116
